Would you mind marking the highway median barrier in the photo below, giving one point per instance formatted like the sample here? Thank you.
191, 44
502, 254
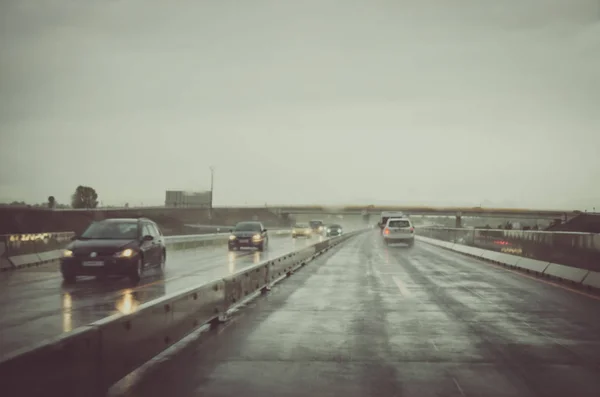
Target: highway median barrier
88, 360
534, 252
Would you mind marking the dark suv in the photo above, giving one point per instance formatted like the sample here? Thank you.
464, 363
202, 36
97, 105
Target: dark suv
250, 235
115, 247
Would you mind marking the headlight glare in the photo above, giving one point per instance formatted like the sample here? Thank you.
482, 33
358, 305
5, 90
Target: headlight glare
127, 253
67, 253
232, 237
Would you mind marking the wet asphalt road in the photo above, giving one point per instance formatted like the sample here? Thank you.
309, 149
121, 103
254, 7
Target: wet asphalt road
370, 320
35, 305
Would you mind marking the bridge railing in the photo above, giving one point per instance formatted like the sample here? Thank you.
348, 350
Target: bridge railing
580, 250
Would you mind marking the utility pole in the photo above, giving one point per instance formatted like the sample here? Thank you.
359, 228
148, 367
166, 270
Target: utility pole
212, 184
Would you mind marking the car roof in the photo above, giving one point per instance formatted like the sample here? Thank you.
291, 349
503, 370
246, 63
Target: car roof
394, 218
248, 223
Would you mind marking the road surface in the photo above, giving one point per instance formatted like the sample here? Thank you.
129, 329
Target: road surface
371, 320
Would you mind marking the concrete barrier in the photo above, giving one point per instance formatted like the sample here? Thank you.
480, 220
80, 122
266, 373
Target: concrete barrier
465, 249
26, 260
566, 272
592, 280
88, 360
563, 272
500, 257
532, 265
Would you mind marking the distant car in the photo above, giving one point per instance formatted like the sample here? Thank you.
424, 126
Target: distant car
302, 230
317, 226
399, 230
115, 247
333, 230
248, 235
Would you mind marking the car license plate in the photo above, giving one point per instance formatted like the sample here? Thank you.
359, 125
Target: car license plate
94, 264
244, 241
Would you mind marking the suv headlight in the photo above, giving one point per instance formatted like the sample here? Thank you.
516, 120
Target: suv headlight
257, 237
67, 254
232, 237
127, 253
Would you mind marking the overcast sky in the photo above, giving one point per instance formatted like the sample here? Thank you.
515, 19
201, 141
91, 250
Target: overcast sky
458, 102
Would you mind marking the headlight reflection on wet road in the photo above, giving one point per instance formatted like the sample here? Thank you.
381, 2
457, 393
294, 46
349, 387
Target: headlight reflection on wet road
231, 262
67, 315
127, 304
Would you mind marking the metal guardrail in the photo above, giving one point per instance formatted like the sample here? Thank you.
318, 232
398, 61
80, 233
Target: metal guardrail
581, 250
88, 360
27, 250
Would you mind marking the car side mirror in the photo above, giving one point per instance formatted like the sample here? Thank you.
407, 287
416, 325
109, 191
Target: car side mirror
264, 230
148, 238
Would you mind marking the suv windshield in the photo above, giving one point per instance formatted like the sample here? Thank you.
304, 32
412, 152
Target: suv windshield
247, 227
399, 223
335, 227
315, 223
112, 230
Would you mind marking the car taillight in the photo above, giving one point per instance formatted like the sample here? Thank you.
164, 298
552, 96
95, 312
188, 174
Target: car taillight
412, 229
386, 231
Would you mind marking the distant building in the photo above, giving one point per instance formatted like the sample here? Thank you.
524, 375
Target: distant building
178, 198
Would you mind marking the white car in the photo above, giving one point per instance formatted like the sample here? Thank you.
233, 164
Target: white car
399, 230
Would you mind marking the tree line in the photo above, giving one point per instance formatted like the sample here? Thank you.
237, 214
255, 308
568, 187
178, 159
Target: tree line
83, 197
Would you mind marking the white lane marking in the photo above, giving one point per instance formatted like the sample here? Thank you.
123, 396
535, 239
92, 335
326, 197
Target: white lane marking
400, 286
462, 393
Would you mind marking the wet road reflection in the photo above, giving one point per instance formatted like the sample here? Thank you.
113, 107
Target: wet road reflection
67, 305
36, 305
128, 303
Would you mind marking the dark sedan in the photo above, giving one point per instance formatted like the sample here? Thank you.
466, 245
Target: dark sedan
334, 230
114, 247
248, 235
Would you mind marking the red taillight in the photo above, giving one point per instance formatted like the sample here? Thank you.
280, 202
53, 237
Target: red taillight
386, 231
412, 229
